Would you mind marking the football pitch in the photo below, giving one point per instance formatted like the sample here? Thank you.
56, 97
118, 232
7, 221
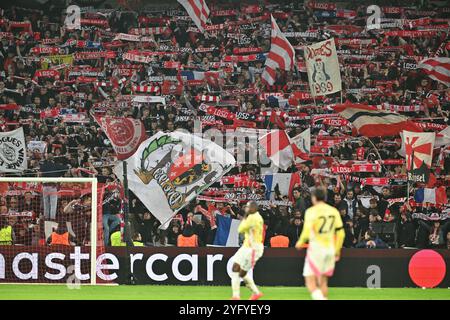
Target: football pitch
163, 292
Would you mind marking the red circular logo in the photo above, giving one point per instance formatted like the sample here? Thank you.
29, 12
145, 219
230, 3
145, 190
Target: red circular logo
121, 131
427, 268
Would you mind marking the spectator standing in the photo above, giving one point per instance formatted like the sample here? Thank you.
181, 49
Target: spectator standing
50, 168
6, 232
294, 230
407, 231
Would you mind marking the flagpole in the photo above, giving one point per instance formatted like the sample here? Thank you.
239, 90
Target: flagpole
373, 146
407, 177
407, 189
130, 279
407, 183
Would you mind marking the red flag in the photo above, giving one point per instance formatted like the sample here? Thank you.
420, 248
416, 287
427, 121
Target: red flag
278, 147
295, 181
437, 69
275, 119
125, 134
213, 79
281, 54
371, 122
174, 88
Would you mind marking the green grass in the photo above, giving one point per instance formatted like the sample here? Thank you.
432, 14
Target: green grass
154, 292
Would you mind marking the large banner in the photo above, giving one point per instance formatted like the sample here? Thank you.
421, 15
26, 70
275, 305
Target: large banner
170, 169
13, 156
385, 268
125, 134
323, 68
418, 148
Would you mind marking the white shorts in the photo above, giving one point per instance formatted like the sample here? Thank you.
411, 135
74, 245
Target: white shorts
319, 262
246, 257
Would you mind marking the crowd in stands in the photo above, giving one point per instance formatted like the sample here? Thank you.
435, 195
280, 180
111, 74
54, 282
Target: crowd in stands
53, 80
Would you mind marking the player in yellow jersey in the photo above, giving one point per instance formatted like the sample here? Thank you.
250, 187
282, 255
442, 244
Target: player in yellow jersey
323, 233
250, 252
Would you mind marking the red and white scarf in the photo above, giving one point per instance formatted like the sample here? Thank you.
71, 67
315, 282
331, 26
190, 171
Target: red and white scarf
146, 89
87, 55
207, 98
148, 30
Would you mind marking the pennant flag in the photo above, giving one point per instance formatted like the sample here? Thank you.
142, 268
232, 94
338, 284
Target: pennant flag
322, 65
436, 68
169, 170
284, 183
13, 151
278, 148
227, 231
125, 134
418, 154
281, 54
371, 122
431, 195
198, 11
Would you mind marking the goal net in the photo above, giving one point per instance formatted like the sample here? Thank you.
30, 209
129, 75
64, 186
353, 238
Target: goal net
50, 230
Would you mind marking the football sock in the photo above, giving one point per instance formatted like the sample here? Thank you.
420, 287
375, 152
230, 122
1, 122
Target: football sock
317, 295
250, 283
235, 284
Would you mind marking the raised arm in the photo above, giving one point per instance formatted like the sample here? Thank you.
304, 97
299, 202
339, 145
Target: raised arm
68, 209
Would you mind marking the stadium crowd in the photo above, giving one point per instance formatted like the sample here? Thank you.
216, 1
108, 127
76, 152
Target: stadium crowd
53, 80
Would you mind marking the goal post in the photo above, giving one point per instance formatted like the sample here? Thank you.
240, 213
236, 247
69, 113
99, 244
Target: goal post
24, 209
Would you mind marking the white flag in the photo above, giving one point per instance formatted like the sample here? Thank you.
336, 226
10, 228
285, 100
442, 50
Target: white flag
443, 138
13, 154
169, 170
278, 148
418, 148
303, 143
198, 11
322, 64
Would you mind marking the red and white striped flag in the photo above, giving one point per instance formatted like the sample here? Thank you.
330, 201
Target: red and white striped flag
371, 122
437, 69
198, 11
281, 55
